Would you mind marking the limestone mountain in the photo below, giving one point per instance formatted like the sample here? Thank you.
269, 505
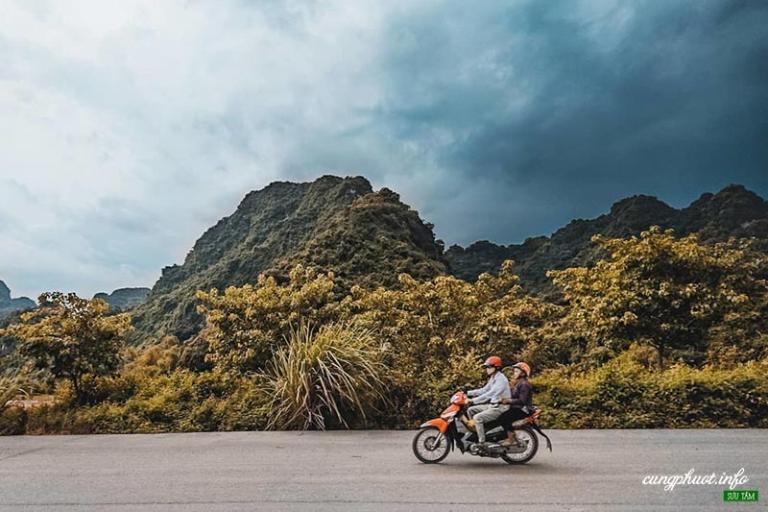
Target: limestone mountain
371, 242
124, 299
335, 224
368, 237
10, 305
732, 212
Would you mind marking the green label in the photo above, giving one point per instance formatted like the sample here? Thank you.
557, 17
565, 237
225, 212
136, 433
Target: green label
740, 495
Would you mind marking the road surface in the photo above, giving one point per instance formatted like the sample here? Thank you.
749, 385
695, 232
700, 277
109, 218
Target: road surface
597, 470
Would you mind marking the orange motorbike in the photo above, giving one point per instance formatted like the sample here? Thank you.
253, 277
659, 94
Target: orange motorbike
438, 437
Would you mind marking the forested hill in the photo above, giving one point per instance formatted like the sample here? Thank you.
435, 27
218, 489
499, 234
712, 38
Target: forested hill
336, 224
9, 305
732, 212
369, 237
124, 299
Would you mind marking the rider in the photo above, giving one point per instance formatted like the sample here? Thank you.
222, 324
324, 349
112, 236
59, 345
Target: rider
488, 399
520, 401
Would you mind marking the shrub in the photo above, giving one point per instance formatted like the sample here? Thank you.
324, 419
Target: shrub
625, 394
185, 401
12, 419
322, 376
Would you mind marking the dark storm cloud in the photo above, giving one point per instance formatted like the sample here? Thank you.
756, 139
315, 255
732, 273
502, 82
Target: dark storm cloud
131, 127
576, 108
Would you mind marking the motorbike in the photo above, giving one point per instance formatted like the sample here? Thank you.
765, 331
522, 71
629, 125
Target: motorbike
437, 437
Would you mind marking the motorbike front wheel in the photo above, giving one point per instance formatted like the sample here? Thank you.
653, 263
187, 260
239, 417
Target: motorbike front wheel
430, 446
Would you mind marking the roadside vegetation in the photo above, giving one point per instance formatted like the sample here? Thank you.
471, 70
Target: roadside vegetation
662, 332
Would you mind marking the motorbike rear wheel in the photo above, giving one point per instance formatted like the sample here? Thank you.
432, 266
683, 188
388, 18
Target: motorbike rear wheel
425, 449
527, 436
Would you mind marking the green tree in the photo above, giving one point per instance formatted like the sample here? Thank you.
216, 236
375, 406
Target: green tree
72, 338
661, 290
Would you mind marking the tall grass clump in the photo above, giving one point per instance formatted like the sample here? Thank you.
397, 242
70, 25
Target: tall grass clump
10, 388
12, 419
323, 376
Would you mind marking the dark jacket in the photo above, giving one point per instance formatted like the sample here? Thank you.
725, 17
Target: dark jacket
522, 394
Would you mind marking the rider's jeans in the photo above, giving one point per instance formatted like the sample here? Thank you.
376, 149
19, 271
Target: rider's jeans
484, 413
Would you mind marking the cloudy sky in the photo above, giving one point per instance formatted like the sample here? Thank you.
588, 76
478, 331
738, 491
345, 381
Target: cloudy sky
127, 128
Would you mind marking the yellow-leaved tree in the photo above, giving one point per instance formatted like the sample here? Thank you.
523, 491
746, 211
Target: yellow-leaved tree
438, 331
663, 291
72, 338
245, 325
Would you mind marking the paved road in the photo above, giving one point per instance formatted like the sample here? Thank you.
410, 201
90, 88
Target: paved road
362, 471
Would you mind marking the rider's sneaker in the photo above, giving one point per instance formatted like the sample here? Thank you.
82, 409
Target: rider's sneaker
508, 444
